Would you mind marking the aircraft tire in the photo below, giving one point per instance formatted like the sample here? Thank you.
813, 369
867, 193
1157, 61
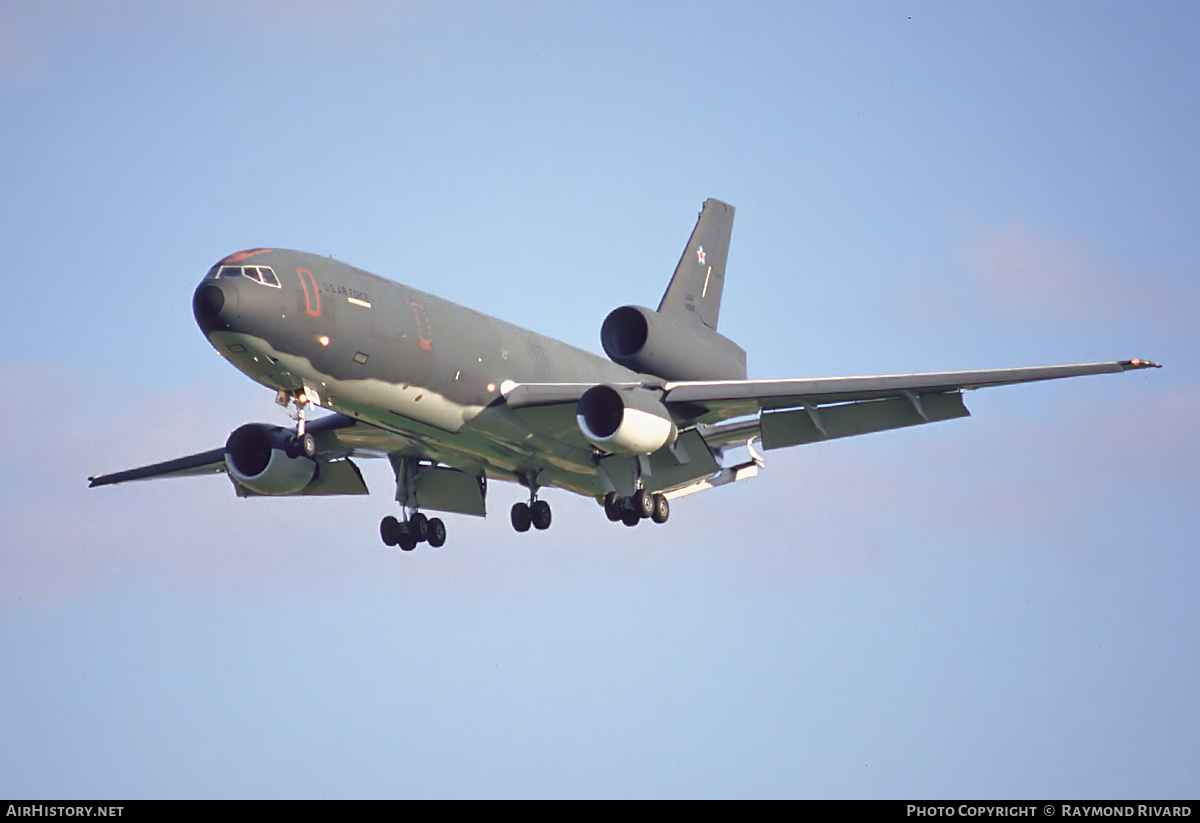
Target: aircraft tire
291, 447
662, 509
643, 503
308, 446
630, 518
612, 506
418, 527
539, 513
389, 530
437, 532
407, 542
521, 517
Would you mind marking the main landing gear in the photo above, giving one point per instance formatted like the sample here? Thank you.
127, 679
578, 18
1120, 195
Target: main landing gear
535, 513
416, 529
641, 506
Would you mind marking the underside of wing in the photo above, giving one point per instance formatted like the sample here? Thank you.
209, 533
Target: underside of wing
790, 412
260, 462
209, 462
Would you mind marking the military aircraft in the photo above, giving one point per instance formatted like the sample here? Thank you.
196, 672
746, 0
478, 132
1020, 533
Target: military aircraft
454, 398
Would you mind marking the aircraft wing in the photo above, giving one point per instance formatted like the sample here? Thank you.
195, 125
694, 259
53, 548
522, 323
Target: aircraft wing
793, 411
779, 394
209, 462
808, 410
336, 475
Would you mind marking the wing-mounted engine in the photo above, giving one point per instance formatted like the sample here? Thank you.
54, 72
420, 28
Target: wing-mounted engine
256, 456
664, 346
628, 421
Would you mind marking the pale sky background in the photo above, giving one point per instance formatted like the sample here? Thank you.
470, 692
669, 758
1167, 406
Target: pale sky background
1003, 606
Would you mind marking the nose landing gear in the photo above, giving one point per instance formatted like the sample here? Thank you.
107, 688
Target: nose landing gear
302, 442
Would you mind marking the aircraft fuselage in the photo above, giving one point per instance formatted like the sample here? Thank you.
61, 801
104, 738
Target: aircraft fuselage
391, 355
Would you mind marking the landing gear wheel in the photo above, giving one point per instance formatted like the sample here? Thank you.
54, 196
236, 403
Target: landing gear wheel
539, 513
662, 509
308, 446
418, 527
389, 530
643, 503
437, 532
521, 517
612, 506
630, 518
407, 541
291, 447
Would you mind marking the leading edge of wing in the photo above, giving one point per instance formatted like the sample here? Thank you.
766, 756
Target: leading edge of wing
523, 395
209, 462
815, 391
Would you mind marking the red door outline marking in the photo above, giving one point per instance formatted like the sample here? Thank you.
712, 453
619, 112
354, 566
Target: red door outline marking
424, 329
314, 297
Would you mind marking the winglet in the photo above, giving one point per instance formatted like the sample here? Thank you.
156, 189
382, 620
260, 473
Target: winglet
695, 288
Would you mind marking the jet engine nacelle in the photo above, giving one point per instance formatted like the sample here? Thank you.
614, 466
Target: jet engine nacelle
632, 421
652, 343
256, 455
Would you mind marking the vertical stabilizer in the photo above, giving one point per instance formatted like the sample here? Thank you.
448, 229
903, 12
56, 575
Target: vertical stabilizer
695, 288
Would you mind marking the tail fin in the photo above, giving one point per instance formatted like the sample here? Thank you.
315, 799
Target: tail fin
695, 288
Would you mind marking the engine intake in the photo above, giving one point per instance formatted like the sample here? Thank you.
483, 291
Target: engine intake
652, 343
631, 421
256, 455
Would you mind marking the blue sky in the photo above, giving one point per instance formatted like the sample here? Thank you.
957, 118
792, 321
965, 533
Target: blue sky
994, 607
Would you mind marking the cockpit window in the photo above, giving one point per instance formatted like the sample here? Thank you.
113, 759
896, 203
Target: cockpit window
259, 274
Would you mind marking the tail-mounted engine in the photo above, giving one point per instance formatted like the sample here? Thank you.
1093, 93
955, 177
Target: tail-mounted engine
630, 421
658, 344
257, 456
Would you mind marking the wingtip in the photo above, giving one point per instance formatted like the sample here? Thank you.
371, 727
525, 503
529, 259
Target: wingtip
1138, 363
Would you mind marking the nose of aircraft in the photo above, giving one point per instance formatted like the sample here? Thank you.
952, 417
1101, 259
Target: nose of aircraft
214, 303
